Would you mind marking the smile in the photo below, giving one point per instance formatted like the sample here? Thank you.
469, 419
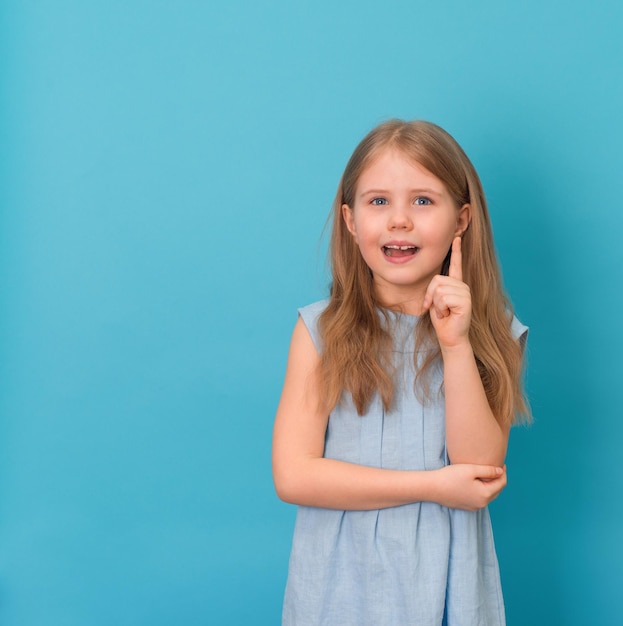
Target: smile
399, 251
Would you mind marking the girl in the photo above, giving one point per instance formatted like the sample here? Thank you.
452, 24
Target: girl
399, 394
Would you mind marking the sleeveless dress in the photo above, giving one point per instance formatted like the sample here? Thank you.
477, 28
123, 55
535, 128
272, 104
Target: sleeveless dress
419, 564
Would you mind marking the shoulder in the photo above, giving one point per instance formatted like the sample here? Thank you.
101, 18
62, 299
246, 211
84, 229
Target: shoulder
313, 310
310, 314
519, 330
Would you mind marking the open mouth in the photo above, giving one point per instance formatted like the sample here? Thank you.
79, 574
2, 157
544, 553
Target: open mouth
399, 251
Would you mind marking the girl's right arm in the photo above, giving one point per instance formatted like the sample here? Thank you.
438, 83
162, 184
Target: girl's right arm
303, 476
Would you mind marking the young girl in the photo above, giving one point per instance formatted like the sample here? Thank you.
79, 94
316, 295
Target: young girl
398, 398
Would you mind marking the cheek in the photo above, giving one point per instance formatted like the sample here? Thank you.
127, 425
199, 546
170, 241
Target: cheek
358, 229
354, 231
442, 233
368, 226
365, 237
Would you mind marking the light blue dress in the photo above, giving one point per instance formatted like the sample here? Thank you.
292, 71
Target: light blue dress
419, 564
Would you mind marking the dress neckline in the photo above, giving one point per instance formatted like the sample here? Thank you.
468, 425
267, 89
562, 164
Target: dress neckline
399, 314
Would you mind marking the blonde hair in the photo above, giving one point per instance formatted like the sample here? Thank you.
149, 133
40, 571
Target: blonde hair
356, 343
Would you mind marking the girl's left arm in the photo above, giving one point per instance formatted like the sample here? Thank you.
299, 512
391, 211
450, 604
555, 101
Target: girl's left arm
473, 434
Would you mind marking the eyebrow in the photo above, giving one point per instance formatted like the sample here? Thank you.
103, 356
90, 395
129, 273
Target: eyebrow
424, 190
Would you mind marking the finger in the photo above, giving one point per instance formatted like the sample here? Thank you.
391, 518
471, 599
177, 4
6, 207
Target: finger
449, 298
441, 310
430, 291
439, 305
456, 260
445, 293
488, 472
431, 295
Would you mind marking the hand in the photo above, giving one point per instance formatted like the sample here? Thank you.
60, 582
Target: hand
469, 487
450, 303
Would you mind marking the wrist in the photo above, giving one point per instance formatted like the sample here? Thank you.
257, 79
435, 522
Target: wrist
462, 347
430, 485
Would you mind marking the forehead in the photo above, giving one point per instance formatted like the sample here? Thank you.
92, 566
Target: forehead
393, 168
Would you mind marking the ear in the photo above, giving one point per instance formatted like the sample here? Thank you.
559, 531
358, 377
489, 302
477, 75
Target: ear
463, 218
349, 219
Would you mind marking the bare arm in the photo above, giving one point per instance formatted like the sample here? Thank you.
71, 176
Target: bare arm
303, 476
473, 434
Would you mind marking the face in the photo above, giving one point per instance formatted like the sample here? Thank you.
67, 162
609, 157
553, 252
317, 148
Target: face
403, 220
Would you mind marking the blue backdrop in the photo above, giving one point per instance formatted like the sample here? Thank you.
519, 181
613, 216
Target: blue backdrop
166, 171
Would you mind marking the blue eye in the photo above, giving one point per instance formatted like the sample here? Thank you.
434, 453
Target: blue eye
378, 201
422, 200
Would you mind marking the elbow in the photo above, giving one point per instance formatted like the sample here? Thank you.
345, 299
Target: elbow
282, 491
295, 479
286, 487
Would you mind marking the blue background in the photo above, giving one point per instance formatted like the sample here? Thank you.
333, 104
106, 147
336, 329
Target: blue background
166, 169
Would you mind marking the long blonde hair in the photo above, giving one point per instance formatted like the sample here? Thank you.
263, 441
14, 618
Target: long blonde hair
356, 343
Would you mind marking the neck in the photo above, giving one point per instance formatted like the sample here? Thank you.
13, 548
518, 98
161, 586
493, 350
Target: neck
411, 304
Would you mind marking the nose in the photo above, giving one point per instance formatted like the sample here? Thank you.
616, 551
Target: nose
400, 219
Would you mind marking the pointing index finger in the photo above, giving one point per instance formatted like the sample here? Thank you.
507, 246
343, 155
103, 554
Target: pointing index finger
456, 260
